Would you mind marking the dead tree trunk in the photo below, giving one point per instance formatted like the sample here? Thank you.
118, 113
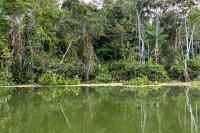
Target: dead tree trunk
140, 38
189, 41
157, 38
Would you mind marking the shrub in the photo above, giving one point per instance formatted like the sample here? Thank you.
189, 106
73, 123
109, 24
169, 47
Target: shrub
121, 70
153, 71
176, 69
22, 71
5, 78
194, 67
73, 81
104, 76
126, 70
70, 68
50, 78
143, 80
121, 65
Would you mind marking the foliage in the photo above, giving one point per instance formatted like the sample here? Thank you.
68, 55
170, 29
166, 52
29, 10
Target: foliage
73, 81
153, 71
40, 40
121, 69
5, 52
50, 78
194, 67
5, 78
124, 70
22, 72
121, 65
104, 76
176, 69
143, 80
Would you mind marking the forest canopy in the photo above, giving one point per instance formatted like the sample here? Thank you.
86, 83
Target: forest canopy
131, 41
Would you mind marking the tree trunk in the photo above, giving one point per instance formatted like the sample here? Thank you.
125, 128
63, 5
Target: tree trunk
87, 54
141, 41
66, 52
157, 38
188, 46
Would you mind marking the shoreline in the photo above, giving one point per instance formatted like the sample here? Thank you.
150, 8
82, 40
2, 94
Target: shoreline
164, 84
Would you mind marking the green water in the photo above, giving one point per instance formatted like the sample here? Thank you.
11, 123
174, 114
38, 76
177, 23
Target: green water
100, 110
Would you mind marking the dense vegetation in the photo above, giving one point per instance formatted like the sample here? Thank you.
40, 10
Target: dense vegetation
137, 40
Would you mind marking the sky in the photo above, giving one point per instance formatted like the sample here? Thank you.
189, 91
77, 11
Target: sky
87, 1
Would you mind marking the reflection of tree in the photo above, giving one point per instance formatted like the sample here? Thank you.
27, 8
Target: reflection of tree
5, 111
143, 115
159, 117
193, 119
65, 116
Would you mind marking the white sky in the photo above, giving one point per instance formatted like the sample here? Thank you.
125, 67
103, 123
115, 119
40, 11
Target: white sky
87, 1
99, 2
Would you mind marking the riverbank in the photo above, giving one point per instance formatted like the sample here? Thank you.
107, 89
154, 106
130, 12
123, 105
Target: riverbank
193, 83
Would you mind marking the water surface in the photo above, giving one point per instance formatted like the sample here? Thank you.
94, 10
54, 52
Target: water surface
100, 110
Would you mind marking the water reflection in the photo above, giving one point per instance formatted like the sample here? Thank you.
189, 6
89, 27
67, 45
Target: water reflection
99, 110
143, 115
193, 119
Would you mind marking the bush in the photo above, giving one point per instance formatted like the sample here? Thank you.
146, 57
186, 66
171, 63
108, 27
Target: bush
194, 67
126, 70
50, 78
70, 68
175, 69
153, 71
73, 81
143, 80
22, 71
121, 65
42, 62
121, 70
104, 76
5, 78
